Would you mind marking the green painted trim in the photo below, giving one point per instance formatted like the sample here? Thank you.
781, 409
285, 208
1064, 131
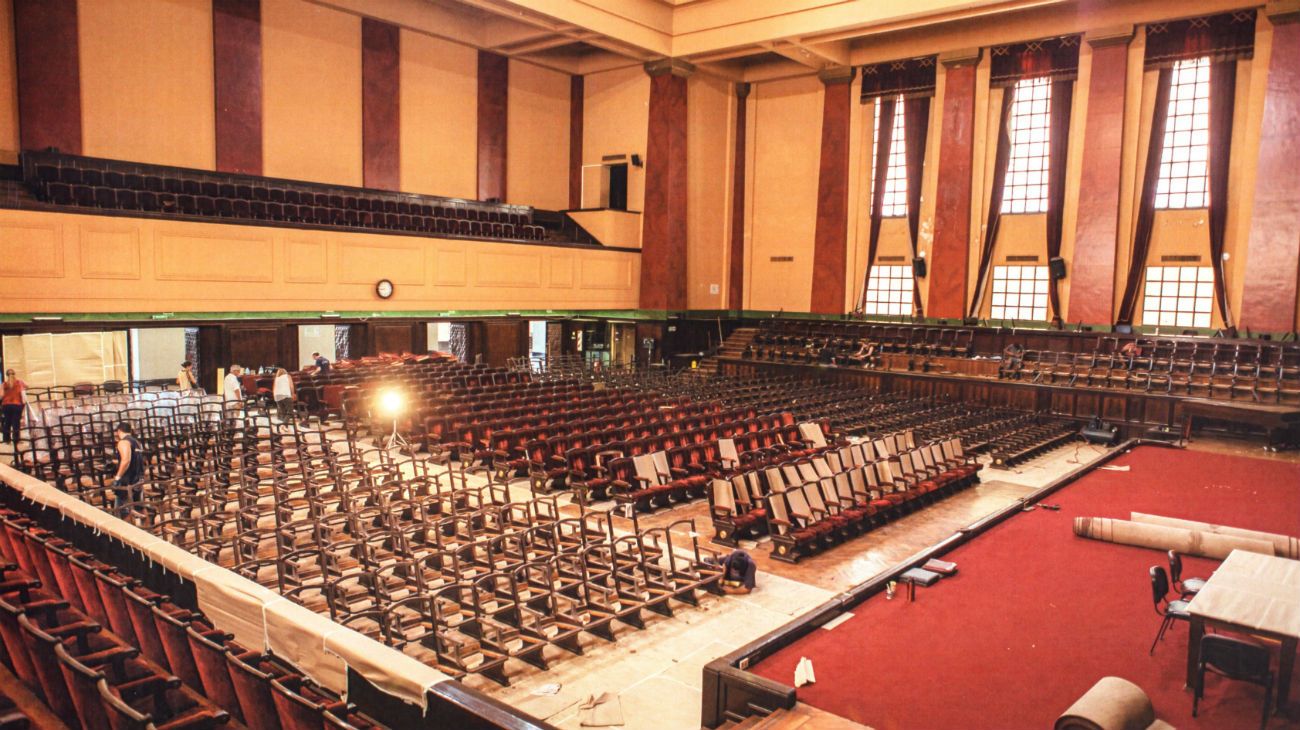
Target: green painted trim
162, 317
634, 315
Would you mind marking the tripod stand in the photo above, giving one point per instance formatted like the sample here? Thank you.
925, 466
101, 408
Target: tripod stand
395, 439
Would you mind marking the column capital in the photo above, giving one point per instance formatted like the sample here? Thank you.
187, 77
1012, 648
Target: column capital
742, 89
1116, 35
960, 57
837, 74
1280, 12
670, 66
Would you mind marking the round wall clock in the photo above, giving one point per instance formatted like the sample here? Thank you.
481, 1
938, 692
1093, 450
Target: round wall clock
384, 288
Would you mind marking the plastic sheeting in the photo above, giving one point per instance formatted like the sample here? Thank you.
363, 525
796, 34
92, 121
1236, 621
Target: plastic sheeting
44, 359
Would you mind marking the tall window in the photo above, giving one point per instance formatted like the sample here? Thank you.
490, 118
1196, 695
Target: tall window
889, 290
1019, 292
1178, 296
1030, 127
895, 202
1184, 171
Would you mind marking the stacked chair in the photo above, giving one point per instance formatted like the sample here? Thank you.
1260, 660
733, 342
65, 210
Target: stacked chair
452, 572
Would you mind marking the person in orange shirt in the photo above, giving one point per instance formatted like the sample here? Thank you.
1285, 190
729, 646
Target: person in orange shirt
13, 400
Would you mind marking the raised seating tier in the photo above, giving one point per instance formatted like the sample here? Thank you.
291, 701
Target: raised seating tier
113, 185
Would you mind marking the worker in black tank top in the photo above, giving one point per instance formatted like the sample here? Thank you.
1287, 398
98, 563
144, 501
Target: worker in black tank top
130, 469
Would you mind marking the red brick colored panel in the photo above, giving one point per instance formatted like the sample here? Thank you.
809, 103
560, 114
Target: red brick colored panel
49, 74
663, 232
380, 104
830, 242
493, 91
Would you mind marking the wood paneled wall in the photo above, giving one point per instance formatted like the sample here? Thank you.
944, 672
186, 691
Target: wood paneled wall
66, 263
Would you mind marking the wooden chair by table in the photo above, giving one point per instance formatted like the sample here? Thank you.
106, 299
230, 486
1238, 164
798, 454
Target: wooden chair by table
1171, 611
1234, 659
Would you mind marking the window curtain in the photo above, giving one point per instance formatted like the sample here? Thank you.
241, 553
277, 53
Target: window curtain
1147, 203
1225, 38
1223, 91
1058, 148
909, 78
884, 139
1054, 57
916, 123
992, 219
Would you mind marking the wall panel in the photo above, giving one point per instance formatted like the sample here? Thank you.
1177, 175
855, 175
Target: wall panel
311, 82
709, 110
783, 215
31, 248
537, 137
146, 81
110, 251
59, 262
395, 259
616, 116
438, 116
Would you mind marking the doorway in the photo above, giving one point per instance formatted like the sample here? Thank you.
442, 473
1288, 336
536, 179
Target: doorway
537, 343
617, 186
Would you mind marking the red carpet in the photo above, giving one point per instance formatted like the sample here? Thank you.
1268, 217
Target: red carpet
1036, 615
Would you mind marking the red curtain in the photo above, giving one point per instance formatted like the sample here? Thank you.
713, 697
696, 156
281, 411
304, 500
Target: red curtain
916, 125
1223, 91
909, 77
1055, 57
1223, 37
884, 138
1147, 204
994, 216
1058, 148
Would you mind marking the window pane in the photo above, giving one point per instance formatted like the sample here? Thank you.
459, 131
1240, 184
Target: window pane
894, 201
1029, 125
1183, 181
889, 290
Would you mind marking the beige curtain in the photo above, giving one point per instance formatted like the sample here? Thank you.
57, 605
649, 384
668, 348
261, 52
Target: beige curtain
44, 360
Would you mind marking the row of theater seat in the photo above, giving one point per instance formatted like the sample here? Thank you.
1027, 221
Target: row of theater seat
106, 653
77, 182
822, 497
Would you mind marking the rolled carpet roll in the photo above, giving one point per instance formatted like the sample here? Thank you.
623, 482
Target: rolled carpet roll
1284, 546
1111, 704
1159, 537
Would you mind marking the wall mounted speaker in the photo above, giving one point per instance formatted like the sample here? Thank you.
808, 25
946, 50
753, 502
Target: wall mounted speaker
918, 268
636, 160
1056, 267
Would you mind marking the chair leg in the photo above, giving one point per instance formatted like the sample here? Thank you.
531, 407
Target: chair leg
1159, 635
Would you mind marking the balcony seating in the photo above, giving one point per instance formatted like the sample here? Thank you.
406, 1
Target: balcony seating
85, 182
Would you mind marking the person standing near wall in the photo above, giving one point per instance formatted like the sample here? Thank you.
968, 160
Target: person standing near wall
185, 379
13, 398
282, 391
233, 389
130, 469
